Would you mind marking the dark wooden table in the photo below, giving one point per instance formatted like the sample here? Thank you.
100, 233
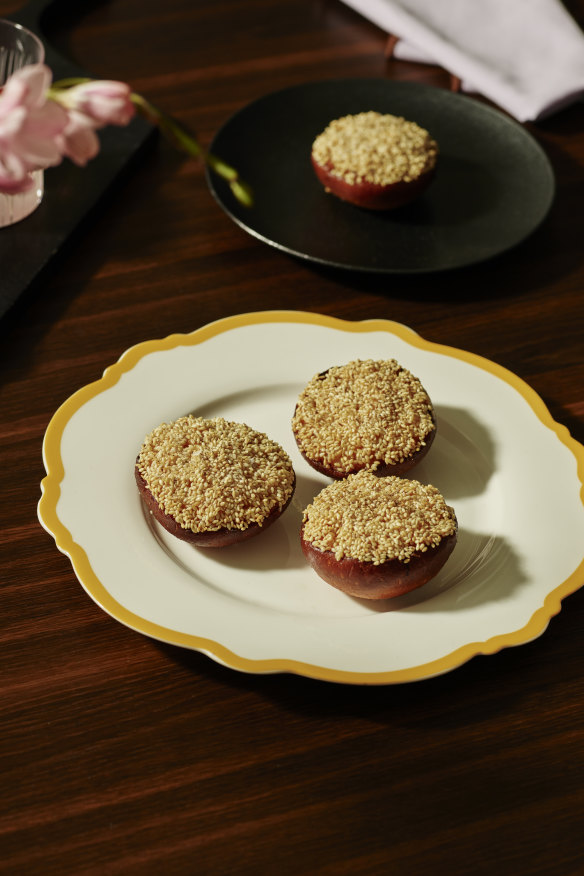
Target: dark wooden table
122, 755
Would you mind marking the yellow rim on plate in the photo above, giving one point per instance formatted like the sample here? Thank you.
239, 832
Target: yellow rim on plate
51, 489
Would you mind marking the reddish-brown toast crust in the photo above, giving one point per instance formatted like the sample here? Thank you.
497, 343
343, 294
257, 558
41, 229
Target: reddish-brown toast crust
372, 196
384, 581
212, 538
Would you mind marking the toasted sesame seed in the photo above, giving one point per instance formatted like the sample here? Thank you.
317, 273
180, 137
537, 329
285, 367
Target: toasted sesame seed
211, 474
375, 148
374, 519
363, 414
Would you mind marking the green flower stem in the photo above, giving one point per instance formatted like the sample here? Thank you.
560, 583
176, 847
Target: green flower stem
64, 84
180, 137
177, 134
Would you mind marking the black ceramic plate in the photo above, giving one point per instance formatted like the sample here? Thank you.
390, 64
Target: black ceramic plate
494, 184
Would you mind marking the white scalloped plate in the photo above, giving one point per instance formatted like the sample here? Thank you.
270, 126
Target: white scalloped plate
257, 607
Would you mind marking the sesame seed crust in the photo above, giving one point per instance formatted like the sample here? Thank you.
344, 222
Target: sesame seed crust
213, 474
376, 520
375, 148
364, 414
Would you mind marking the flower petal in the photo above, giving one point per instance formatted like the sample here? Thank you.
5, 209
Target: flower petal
80, 142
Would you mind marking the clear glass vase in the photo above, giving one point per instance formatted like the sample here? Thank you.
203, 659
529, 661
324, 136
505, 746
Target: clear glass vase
18, 48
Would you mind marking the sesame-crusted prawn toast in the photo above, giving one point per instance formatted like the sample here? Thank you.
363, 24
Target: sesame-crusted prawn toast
378, 538
374, 161
212, 482
365, 414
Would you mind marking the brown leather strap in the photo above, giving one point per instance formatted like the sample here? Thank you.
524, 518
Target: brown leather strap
392, 41
390, 45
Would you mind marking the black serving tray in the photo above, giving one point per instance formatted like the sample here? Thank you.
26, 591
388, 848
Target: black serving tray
72, 194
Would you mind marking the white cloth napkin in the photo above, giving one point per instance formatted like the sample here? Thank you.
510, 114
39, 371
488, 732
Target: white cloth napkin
527, 56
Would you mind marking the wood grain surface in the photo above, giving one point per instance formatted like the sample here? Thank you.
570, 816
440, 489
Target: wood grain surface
120, 755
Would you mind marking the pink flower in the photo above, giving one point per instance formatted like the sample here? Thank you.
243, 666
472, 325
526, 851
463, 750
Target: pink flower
103, 101
79, 140
90, 106
41, 124
30, 127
